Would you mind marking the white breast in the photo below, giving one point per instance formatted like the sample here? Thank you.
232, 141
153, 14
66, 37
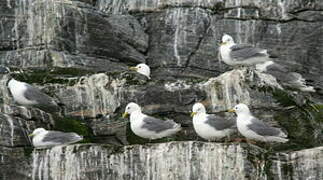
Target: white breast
17, 90
225, 54
136, 122
206, 131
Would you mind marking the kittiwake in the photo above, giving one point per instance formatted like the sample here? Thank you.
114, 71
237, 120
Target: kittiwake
143, 69
149, 127
254, 129
4, 70
210, 126
27, 95
46, 139
292, 80
241, 54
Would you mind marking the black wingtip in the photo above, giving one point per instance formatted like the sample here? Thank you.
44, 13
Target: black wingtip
273, 56
61, 104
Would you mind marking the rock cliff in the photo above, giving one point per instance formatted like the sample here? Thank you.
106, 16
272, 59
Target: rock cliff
78, 51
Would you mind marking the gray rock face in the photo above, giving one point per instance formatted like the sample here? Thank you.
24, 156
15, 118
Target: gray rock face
46, 33
185, 36
79, 52
298, 165
175, 160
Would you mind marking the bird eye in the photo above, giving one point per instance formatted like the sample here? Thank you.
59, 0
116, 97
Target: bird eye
139, 66
128, 107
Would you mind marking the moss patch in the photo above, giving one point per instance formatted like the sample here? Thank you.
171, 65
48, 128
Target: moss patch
302, 121
300, 117
28, 151
69, 124
70, 71
54, 76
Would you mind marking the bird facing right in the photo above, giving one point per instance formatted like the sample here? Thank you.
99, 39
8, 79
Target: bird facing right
210, 126
254, 129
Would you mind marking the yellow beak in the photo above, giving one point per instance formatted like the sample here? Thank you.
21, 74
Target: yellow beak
30, 135
133, 68
125, 114
231, 110
193, 114
222, 43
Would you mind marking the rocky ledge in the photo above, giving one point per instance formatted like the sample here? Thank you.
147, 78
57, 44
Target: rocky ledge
172, 160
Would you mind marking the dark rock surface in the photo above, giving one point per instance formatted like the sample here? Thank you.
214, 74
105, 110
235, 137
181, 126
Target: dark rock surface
78, 51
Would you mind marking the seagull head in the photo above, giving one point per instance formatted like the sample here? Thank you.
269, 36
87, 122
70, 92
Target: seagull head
240, 109
198, 108
37, 131
142, 69
227, 40
130, 108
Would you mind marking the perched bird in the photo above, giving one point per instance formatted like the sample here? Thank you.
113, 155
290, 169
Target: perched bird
27, 95
4, 70
210, 126
292, 80
143, 69
45, 139
254, 129
241, 54
149, 127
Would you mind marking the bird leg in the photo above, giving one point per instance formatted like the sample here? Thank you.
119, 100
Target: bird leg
251, 141
239, 140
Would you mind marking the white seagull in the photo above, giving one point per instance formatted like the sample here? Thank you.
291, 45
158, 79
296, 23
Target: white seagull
27, 95
254, 129
241, 54
149, 127
210, 126
292, 80
46, 139
143, 69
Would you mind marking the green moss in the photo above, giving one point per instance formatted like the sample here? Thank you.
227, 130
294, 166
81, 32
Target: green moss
283, 98
54, 76
42, 77
69, 124
28, 151
195, 80
299, 117
70, 71
303, 125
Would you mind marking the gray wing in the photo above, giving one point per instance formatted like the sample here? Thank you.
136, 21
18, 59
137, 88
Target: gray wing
292, 80
61, 137
34, 94
245, 51
157, 125
220, 123
263, 129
